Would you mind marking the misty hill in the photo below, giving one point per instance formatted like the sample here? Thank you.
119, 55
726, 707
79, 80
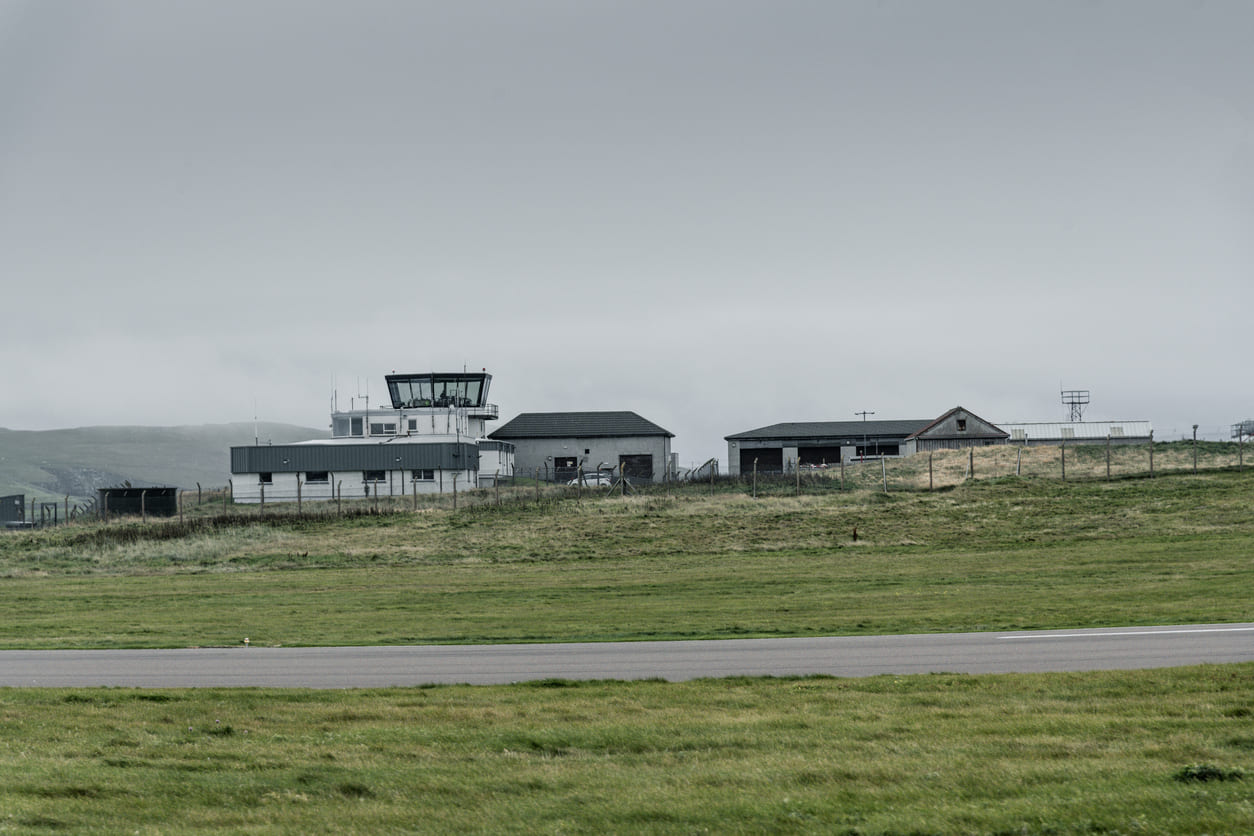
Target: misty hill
53, 463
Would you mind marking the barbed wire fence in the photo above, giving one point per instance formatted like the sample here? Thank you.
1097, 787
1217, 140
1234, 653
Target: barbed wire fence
923, 471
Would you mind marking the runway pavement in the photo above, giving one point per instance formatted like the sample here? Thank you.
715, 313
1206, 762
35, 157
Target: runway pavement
370, 667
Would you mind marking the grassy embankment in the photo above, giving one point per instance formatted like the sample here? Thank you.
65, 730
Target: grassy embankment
1060, 754
1004, 553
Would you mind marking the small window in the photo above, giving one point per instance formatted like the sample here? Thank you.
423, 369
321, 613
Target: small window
317, 477
357, 427
1116, 432
265, 478
424, 475
413, 425
374, 476
383, 429
587, 452
962, 425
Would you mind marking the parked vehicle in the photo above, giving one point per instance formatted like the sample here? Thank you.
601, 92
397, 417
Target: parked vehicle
593, 480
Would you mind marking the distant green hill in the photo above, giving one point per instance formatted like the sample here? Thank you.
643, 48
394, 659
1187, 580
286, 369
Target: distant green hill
54, 463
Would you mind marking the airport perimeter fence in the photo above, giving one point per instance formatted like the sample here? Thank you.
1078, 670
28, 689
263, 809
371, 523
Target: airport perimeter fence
922, 471
942, 469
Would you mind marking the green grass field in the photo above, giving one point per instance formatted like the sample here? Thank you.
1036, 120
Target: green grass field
1106, 753
991, 555
1168, 751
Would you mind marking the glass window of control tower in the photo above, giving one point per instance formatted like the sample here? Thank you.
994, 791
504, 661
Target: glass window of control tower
412, 392
456, 390
437, 390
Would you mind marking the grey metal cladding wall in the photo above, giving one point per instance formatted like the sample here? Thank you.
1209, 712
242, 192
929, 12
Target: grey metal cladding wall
296, 458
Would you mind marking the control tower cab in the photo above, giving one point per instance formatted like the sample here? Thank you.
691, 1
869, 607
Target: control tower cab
430, 403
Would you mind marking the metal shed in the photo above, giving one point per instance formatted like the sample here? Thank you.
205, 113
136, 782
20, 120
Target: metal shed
157, 501
1079, 432
13, 510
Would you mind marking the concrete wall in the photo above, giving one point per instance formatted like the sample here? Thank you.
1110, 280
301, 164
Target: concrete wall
790, 451
532, 454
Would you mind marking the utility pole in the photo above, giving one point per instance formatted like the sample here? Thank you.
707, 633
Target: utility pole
864, 413
1195, 449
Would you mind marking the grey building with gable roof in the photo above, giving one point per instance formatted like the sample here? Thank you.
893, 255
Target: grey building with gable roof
781, 447
557, 444
817, 443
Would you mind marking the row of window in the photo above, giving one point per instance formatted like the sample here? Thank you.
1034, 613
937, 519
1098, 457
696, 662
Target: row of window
322, 477
342, 427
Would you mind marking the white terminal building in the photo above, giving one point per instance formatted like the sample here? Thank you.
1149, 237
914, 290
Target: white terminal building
431, 438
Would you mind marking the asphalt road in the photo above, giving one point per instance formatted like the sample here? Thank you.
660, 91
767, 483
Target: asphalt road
371, 667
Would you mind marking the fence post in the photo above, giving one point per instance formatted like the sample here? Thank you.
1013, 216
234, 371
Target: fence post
67, 509
414, 484
299, 509
1107, 457
755, 478
929, 469
180, 501
339, 487
1241, 449
842, 473
798, 475
537, 486
496, 489
884, 472
455, 475
1064, 460
143, 505
261, 512
1019, 463
971, 461
230, 489
376, 496
1151, 454
197, 494
1195, 449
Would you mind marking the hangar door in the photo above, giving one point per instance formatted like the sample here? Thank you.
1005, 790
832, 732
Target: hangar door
818, 456
770, 460
636, 468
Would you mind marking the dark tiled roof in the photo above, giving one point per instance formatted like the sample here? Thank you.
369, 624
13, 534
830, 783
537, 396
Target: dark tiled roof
577, 425
832, 429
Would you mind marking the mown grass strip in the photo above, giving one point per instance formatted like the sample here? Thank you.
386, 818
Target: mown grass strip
841, 592
942, 754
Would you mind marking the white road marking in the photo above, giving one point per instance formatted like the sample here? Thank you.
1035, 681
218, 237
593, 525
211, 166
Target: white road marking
1101, 635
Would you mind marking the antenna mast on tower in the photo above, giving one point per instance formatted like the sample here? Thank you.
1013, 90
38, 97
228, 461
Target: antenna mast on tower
1075, 400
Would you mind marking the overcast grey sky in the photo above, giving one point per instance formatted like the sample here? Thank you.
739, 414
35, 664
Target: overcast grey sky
720, 214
